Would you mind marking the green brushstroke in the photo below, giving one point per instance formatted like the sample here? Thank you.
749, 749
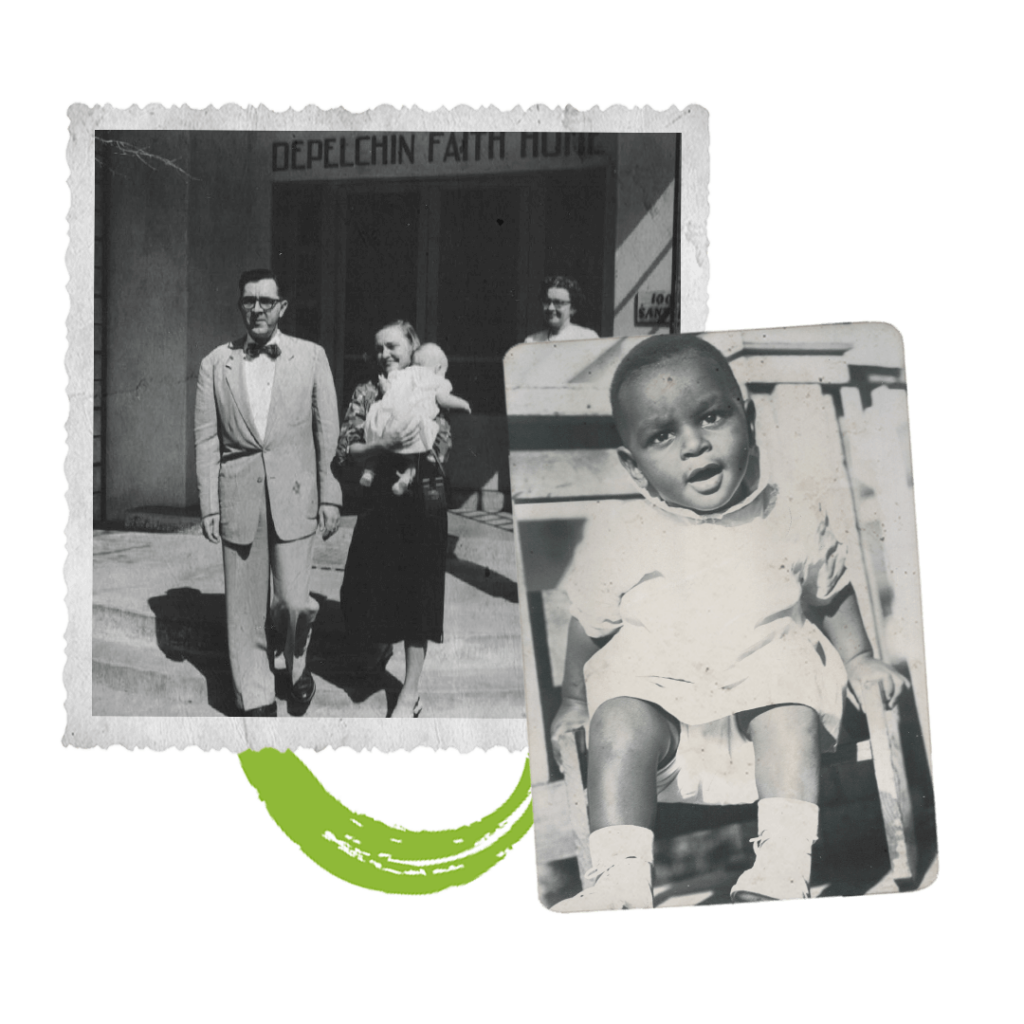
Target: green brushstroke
366, 852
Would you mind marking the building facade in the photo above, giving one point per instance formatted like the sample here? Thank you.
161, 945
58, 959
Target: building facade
453, 231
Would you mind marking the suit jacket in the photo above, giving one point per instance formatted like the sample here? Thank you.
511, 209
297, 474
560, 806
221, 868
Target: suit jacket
293, 460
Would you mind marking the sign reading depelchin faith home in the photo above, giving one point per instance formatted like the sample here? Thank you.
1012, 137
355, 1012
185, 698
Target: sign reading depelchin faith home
301, 156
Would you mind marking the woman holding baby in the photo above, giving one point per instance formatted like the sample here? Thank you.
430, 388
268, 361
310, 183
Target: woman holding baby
393, 588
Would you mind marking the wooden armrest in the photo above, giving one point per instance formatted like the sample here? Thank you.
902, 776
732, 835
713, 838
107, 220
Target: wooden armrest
848, 753
891, 777
569, 746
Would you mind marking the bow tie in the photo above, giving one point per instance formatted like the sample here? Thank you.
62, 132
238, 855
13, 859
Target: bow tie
253, 351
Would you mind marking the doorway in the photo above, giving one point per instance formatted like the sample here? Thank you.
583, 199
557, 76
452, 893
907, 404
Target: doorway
462, 259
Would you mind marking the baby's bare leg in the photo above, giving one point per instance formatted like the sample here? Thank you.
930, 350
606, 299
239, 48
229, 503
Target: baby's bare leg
786, 766
629, 739
787, 751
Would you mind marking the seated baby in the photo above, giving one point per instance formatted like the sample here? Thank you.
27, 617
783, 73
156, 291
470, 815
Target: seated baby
412, 394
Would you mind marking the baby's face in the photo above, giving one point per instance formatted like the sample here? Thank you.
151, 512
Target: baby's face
687, 434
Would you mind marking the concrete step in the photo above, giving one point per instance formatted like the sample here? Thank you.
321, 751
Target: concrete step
163, 519
175, 632
479, 604
460, 666
136, 670
134, 679
114, 703
160, 637
174, 638
485, 546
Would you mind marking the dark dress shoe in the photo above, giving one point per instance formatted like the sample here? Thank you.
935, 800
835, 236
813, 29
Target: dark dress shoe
267, 711
301, 694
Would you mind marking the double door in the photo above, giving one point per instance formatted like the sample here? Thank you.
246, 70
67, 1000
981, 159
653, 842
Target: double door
463, 261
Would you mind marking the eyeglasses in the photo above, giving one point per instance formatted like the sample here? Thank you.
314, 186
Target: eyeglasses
556, 302
266, 303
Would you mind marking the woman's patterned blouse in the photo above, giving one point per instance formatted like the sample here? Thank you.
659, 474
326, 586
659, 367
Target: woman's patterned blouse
353, 426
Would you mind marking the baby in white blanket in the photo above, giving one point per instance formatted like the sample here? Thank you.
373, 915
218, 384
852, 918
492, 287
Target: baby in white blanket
415, 393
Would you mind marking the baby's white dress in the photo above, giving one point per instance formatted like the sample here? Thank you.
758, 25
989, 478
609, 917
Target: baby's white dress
409, 393
707, 617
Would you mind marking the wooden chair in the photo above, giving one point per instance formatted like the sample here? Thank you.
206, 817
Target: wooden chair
884, 749
840, 391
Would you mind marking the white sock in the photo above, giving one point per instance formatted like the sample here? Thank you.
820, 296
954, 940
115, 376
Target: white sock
622, 856
795, 820
616, 843
787, 830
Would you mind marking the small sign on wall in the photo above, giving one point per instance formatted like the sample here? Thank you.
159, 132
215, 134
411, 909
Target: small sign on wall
652, 308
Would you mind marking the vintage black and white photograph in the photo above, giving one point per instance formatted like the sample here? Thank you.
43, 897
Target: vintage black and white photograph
721, 617
300, 489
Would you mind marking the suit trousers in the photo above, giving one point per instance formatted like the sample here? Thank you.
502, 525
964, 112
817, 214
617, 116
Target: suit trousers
266, 586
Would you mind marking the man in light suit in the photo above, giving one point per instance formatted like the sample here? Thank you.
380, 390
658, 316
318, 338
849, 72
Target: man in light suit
266, 430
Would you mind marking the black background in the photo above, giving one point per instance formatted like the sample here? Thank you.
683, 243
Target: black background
811, 218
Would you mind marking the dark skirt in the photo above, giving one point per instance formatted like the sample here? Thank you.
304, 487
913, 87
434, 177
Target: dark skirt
393, 588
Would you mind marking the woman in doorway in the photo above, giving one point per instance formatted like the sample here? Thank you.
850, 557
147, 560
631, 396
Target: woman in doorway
562, 299
393, 588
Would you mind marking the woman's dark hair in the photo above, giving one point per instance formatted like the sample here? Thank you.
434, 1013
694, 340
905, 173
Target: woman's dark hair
658, 349
576, 297
259, 274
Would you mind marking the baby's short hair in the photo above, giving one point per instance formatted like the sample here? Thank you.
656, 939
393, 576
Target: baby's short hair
430, 355
658, 349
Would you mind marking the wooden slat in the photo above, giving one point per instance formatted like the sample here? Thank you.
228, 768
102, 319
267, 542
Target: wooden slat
557, 433
791, 369
558, 363
784, 342
558, 400
797, 425
789, 354
878, 454
552, 833
569, 746
543, 511
865, 500
536, 730
887, 419
872, 344
573, 473
893, 790
540, 766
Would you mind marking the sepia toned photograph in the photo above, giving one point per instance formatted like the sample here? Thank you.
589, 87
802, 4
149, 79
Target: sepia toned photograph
300, 496
721, 617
